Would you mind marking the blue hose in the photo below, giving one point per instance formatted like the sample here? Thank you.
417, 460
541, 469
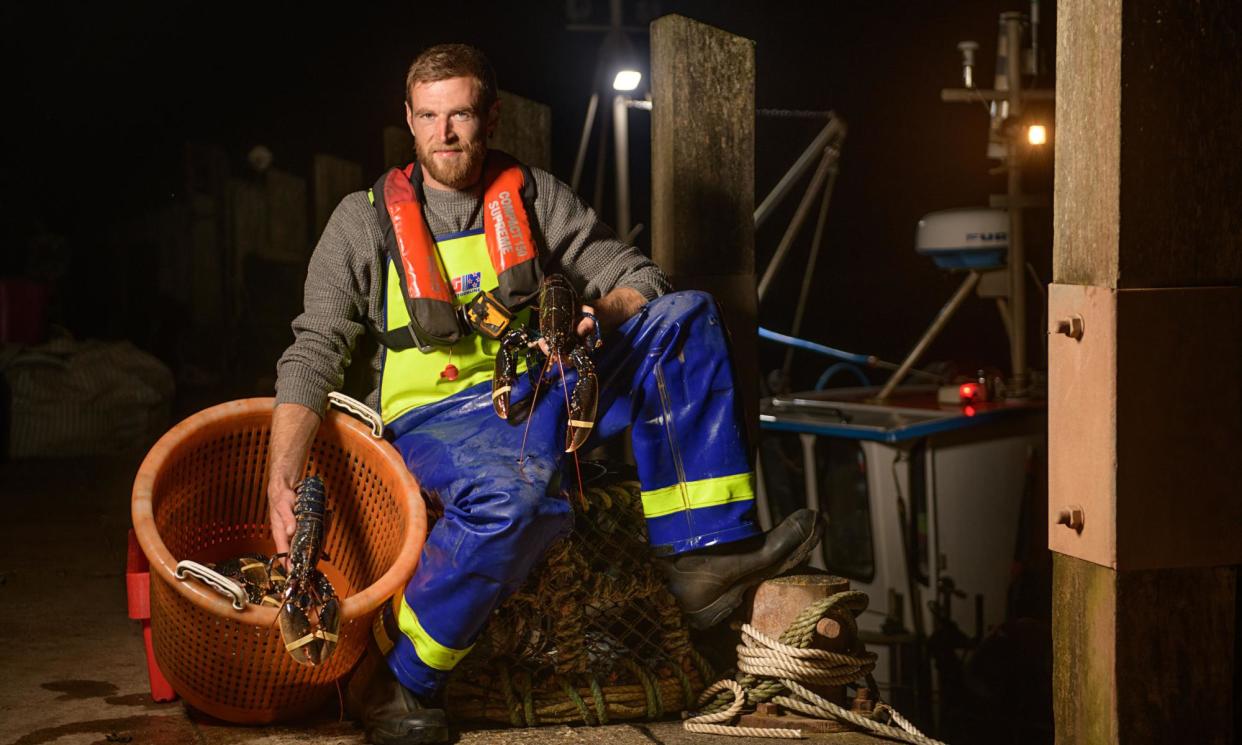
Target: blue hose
838, 367
810, 346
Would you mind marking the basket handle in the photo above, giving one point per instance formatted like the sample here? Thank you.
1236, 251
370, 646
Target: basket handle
214, 580
360, 410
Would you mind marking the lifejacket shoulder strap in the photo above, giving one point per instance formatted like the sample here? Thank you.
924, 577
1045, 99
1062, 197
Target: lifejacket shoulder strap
412, 249
510, 231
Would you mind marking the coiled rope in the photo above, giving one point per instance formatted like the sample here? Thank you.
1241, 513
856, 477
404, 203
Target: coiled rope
777, 669
706, 723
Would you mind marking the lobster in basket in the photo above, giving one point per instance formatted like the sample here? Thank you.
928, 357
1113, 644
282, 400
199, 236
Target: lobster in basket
307, 593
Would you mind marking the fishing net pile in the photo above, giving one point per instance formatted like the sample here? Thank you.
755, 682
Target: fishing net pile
592, 637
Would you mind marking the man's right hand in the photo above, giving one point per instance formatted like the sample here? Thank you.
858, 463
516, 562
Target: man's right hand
293, 429
280, 512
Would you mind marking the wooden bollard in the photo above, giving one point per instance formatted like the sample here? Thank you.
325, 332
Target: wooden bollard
777, 603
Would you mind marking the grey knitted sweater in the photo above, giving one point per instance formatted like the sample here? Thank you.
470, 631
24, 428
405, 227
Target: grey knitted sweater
345, 279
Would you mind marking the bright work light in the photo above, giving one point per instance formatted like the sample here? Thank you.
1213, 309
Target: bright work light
1036, 134
627, 80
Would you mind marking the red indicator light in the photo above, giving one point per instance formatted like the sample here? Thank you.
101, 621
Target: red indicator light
968, 391
968, 410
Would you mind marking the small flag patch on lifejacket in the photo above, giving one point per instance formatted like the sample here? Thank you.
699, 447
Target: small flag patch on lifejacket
467, 283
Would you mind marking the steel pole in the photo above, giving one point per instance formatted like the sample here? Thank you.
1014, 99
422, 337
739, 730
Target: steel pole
601, 163
932, 332
583, 143
795, 225
832, 129
816, 243
621, 136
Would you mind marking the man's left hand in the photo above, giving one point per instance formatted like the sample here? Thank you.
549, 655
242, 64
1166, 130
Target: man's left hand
588, 323
612, 310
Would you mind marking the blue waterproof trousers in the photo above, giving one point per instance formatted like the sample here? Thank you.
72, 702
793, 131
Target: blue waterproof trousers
667, 373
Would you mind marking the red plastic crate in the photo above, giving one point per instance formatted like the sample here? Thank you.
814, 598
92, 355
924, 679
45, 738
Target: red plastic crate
138, 592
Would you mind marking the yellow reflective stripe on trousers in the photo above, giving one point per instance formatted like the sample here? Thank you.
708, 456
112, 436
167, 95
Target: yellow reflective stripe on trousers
429, 650
703, 493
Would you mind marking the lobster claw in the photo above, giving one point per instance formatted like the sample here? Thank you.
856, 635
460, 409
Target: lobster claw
306, 642
501, 388
505, 372
297, 634
329, 628
329, 617
582, 401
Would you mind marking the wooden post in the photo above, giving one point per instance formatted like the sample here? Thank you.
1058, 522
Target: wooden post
398, 146
1147, 261
287, 218
332, 178
525, 130
703, 177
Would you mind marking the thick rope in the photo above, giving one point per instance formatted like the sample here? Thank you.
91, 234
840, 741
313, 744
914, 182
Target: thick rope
572, 695
776, 669
708, 723
762, 656
597, 695
799, 634
817, 706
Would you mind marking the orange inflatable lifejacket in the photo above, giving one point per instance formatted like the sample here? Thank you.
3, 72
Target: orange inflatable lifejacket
508, 198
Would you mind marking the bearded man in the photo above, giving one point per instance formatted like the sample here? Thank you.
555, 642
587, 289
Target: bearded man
461, 227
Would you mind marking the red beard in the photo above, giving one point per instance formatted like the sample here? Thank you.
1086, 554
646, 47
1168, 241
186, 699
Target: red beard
457, 173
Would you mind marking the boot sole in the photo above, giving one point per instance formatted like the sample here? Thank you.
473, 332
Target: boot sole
422, 736
721, 607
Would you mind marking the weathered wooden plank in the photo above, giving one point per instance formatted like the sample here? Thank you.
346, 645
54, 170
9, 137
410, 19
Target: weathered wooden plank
1147, 152
703, 148
703, 176
1181, 154
1142, 656
525, 130
1088, 143
1148, 213
287, 218
332, 178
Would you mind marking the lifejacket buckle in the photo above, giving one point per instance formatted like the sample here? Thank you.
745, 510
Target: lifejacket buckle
488, 316
422, 346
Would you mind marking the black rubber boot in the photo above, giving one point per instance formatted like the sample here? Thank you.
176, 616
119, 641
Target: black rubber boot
709, 583
390, 713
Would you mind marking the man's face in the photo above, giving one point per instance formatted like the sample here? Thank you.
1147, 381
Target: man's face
450, 133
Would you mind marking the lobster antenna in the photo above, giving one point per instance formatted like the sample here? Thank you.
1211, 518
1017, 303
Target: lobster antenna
534, 399
570, 414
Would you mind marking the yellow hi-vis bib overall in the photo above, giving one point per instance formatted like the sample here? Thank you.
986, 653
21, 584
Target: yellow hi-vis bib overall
411, 378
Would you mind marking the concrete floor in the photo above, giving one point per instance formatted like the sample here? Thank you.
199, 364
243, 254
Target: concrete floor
72, 663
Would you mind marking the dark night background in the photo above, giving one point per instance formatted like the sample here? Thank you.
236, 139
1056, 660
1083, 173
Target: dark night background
110, 108
102, 99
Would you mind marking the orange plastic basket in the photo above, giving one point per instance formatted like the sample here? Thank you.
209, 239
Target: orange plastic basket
201, 494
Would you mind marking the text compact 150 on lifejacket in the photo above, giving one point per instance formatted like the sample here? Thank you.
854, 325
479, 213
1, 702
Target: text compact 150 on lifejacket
435, 319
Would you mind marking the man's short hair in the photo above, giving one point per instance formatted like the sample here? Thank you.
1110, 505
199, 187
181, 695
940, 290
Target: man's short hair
445, 61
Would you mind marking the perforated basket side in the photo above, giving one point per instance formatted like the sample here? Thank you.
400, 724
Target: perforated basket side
201, 492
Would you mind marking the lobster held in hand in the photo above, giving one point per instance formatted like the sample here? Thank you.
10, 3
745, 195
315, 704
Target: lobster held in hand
307, 591
558, 314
